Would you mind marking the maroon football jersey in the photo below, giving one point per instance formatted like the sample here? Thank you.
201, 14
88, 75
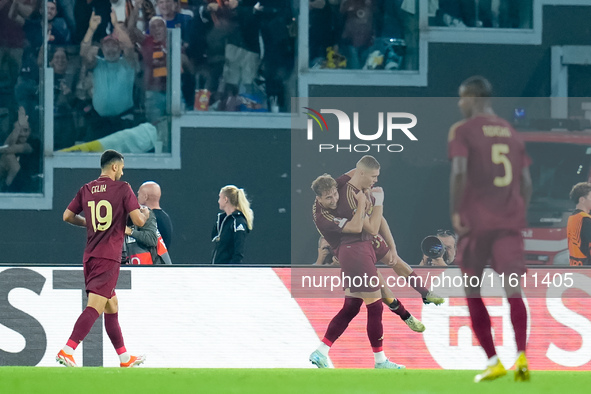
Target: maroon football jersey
496, 156
106, 205
347, 206
328, 224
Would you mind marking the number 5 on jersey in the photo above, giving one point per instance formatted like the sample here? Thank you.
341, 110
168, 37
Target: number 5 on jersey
499, 156
101, 222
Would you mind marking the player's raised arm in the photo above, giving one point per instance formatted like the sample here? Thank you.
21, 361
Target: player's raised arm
74, 219
355, 225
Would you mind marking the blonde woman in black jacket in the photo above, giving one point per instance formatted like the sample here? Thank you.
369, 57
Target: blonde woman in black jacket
232, 226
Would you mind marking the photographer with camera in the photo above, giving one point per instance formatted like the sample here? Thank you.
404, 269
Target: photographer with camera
439, 250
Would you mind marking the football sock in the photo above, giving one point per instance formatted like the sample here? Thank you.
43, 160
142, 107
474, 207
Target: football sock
341, 321
380, 357
69, 349
481, 325
114, 332
519, 321
399, 309
416, 284
323, 349
492, 361
375, 329
124, 357
82, 327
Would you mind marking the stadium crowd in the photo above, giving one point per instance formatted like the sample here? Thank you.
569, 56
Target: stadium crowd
110, 64
384, 34
109, 57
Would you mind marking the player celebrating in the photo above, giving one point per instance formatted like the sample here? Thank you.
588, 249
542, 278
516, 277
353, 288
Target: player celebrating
490, 188
106, 203
357, 258
363, 177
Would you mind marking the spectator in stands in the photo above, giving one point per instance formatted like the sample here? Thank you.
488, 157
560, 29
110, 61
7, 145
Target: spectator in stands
154, 62
359, 30
12, 41
149, 195
242, 51
169, 12
142, 11
64, 133
20, 158
278, 60
409, 18
182, 7
58, 27
320, 31
208, 44
155, 69
83, 10
27, 87
26, 90
83, 102
113, 79
66, 11
482, 13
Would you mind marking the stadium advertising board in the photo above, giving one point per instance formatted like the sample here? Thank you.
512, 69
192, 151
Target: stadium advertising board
230, 317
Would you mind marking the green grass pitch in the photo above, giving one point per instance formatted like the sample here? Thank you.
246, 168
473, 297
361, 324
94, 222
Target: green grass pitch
30, 380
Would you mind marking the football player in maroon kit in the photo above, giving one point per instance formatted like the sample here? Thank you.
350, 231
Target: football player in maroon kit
106, 203
357, 258
490, 188
362, 178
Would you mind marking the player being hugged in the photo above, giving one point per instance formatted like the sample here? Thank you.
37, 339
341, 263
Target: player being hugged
357, 259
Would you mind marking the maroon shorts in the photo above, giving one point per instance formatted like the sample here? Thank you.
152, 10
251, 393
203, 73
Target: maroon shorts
502, 249
380, 247
358, 262
100, 276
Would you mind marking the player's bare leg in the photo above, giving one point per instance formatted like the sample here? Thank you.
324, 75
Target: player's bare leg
401, 268
114, 332
396, 307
